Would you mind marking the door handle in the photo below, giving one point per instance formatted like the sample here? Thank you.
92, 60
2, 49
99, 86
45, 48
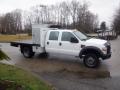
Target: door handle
47, 43
60, 44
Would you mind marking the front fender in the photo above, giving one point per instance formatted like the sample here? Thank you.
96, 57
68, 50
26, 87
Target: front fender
90, 49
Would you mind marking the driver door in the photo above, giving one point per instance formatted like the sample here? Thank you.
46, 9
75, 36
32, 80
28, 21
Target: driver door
68, 47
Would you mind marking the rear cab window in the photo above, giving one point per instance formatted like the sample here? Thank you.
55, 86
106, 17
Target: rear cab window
54, 35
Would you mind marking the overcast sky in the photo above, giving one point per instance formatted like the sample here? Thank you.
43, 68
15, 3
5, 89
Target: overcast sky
104, 8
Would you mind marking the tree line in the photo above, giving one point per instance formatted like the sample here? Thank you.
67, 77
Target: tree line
67, 14
74, 14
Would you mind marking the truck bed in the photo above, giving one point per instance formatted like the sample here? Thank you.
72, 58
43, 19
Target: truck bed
24, 43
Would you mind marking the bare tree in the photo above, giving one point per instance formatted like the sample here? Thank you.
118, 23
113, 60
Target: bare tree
86, 21
17, 20
74, 5
116, 22
11, 23
7, 23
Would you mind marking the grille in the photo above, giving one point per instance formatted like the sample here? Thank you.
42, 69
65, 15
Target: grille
108, 49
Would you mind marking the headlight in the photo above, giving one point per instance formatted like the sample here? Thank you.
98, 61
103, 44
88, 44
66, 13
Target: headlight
107, 48
104, 49
107, 44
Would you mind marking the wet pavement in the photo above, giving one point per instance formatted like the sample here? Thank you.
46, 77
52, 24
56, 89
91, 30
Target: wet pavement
62, 71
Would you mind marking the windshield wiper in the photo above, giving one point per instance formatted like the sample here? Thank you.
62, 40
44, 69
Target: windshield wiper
86, 39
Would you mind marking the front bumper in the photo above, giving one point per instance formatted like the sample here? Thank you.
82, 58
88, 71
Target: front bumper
107, 56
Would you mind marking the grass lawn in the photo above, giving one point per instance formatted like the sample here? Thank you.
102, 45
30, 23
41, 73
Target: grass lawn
10, 38
21, 77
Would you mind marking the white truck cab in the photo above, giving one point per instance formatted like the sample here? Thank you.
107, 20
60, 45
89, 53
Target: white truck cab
64, 41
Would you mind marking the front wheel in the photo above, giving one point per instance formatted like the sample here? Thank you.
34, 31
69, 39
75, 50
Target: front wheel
91, 61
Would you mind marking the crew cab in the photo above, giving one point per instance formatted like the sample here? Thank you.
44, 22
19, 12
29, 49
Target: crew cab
65, 41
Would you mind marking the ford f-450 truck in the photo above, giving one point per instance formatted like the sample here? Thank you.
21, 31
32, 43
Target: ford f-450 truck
68, 42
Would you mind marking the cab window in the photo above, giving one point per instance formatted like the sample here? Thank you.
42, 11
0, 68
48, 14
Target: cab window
66, 36
54, 35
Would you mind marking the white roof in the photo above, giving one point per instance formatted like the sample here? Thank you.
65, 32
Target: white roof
68, 30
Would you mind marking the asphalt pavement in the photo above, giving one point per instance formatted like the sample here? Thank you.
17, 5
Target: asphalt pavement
57, 70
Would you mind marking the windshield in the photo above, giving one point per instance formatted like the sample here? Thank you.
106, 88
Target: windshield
80, 35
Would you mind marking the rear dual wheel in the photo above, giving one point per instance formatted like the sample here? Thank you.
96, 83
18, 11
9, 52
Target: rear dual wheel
27, 52
44, 55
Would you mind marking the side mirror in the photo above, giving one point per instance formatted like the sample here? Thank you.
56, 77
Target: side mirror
74, 40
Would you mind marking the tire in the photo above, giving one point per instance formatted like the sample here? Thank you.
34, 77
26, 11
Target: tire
91, 61
27, 52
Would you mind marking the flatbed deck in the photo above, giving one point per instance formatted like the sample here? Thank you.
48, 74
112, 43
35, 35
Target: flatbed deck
24, 43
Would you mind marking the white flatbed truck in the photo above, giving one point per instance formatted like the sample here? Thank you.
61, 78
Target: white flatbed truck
64, 41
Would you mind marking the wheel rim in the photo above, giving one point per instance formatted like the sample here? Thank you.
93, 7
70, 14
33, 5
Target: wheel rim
90, 61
